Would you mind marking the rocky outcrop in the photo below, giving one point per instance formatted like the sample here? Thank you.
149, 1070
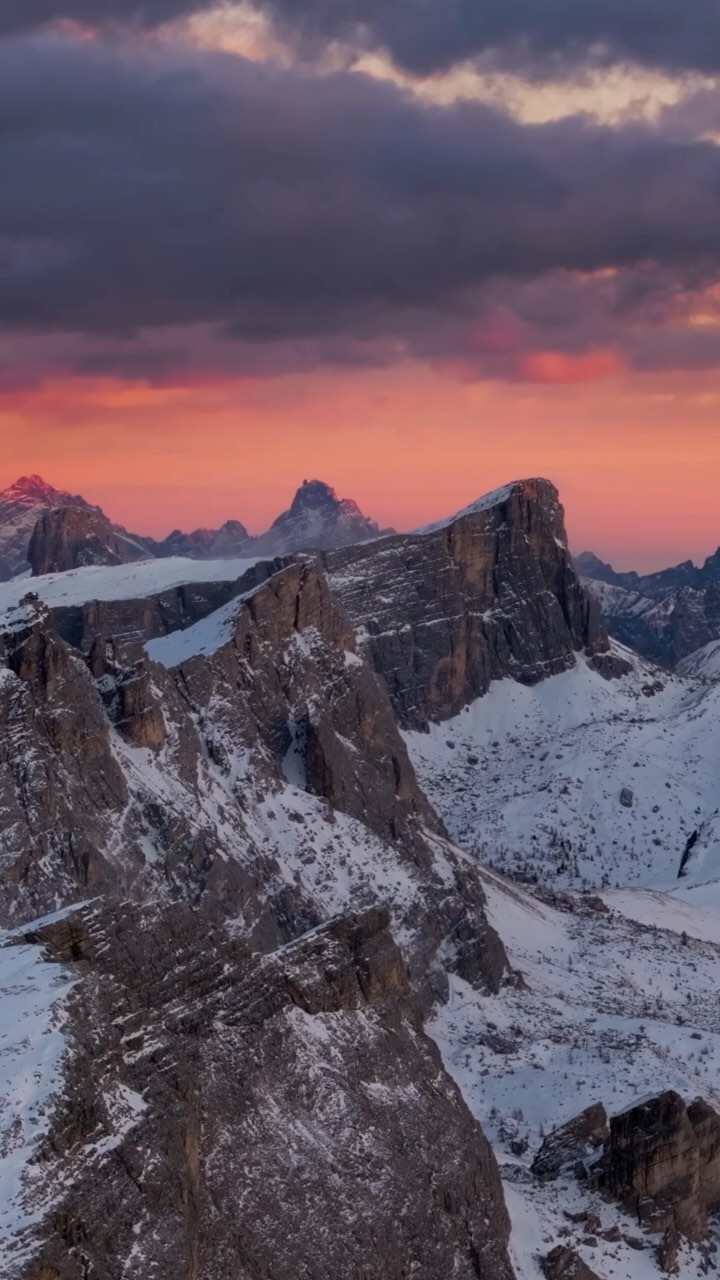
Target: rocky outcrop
224, 1115
60, 783
488, 594
563, 1263
72, 537
662, 1160
572, 1143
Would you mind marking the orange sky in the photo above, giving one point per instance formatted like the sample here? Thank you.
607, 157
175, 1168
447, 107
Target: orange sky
636, 460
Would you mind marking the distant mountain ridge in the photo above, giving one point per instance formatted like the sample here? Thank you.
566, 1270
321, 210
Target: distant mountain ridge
39, 533
668, 616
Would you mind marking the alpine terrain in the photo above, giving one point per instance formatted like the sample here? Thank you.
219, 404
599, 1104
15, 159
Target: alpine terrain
359, 899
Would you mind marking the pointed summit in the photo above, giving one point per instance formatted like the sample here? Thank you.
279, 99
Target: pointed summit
318, 520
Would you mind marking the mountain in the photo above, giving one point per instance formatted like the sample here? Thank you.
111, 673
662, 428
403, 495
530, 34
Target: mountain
21, 505
366, 869
317, 518
666, 616
489, 593
71, 537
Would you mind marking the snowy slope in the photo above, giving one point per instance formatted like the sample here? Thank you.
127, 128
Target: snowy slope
532, 780
610, 1011
120, 582
703, 662
32, 999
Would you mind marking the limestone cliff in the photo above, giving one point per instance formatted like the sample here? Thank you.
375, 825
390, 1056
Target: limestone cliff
490, 593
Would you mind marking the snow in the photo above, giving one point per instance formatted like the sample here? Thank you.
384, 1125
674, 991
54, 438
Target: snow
204, 637
33, 993
611, 1011
120, 582
703, 662
529, 779
618, 1003
484, 503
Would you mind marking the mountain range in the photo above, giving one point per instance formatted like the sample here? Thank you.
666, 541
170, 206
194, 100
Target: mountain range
360, 912
671, 617
47, 530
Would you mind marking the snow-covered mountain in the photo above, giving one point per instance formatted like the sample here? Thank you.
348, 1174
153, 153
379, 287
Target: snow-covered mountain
312, 805
665, 616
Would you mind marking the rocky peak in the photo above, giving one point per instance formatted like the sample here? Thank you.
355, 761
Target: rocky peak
316, 493
317, 518
33, 489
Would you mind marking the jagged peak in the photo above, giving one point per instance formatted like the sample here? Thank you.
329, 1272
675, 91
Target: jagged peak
314, 493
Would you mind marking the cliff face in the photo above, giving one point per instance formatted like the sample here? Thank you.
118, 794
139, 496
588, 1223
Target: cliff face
488, 594
662, 1159
223, 1115
71, 537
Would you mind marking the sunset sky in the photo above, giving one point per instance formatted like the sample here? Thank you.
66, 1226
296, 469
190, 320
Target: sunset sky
413, 247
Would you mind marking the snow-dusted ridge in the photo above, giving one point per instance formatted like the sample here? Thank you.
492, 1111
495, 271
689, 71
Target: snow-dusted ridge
120, 582
483, 503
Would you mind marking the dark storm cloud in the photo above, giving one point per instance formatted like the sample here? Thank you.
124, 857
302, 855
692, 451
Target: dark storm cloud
424, 36
150, 191
23, 15
331, 217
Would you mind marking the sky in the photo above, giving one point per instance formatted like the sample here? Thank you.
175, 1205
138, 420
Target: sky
415, 248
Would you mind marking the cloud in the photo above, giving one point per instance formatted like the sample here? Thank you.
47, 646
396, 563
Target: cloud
426, 36
24, 15
295, 218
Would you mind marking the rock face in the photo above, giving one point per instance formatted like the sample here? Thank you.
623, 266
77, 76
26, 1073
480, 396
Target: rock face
71, 537
224, 1115
662, 1160
317, 518
21, 505
488, 594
